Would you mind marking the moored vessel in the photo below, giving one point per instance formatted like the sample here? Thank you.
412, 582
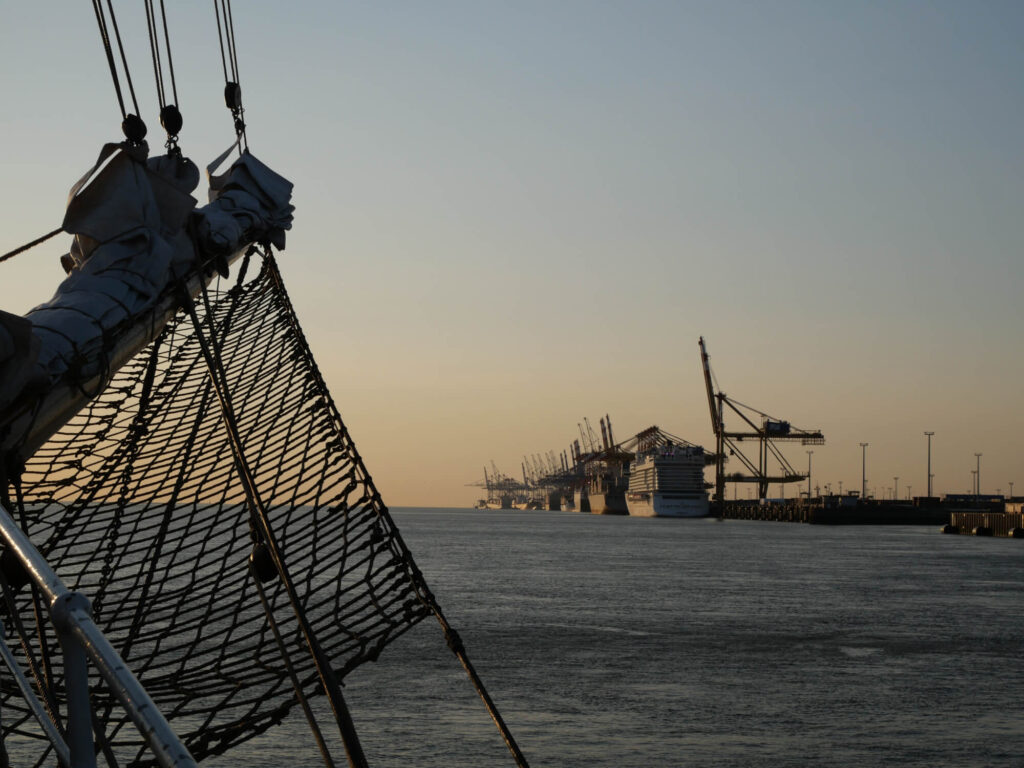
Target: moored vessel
608, 493
668, 481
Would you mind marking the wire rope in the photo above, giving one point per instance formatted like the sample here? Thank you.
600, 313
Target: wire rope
33, 244
229, 61
131, 124
170, 114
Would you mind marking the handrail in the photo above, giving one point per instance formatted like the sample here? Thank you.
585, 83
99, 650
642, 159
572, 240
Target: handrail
38, 710
81, 638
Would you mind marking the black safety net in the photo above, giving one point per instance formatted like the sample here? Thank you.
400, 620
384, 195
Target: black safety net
212, 505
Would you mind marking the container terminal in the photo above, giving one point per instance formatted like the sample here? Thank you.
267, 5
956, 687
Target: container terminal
599, 475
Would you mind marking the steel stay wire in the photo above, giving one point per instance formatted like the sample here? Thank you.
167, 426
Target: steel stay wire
210, 353
232, 83
423, 593
131, 124
170, 114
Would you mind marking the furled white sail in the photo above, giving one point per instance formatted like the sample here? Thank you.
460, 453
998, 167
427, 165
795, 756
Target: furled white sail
137, 231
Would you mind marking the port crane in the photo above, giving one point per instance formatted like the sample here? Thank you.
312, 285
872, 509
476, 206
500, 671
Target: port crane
767, 432
502, 490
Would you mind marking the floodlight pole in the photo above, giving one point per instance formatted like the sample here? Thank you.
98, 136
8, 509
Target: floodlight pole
929, 435
977, 475
863, 475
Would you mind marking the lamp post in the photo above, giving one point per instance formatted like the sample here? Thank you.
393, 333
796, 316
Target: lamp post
929, 435
909, 497
974, 482
895, 488
863, 476
809, 474
977, 474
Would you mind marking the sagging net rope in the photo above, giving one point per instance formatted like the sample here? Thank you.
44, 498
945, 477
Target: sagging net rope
139, 504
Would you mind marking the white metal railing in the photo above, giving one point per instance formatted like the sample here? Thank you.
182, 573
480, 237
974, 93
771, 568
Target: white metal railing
81, 642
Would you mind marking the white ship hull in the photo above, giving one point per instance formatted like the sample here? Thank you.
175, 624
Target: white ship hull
657, 504
668, 482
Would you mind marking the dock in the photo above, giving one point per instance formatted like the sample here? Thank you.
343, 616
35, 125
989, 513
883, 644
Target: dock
977, 523
829, 512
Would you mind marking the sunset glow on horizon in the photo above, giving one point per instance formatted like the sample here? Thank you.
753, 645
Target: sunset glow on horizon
513, 216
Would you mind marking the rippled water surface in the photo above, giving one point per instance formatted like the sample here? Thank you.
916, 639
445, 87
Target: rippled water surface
631, 642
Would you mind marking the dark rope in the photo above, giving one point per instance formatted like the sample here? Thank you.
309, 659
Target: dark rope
105, 36
33, 244
141, 497
232, 82
214, 361
232, 47
131, 124
170, 61
423, 594
300, 694
170, 115
154, 49
220, 39
124, 60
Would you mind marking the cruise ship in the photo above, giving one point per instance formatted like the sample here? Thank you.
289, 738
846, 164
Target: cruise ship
668, 481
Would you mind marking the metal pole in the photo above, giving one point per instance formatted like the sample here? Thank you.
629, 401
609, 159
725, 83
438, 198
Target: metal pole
895, 488
76, 681
929, 434
977, 476
809, 475
38, 710
71, 613
863, 475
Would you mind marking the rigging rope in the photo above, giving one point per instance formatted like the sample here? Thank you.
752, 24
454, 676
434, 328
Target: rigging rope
142, 502
184, 552
232, 87
170, 115
33, 244
132, 125
260, 523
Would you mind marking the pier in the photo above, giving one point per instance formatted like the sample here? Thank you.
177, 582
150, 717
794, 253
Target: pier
836, 511
976, 523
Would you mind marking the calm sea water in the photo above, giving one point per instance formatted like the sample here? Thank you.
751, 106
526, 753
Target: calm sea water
628, 642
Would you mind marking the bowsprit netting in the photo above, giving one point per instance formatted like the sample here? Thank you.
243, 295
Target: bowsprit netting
141, 503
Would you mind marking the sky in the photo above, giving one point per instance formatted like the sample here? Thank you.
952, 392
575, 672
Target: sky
510, 216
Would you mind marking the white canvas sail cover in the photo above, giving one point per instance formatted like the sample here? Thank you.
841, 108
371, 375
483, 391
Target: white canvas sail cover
136, 230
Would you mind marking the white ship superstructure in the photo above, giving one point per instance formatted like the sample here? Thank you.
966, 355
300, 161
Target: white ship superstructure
668, 481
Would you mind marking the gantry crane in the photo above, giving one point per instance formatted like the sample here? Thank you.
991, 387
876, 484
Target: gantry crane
767, 433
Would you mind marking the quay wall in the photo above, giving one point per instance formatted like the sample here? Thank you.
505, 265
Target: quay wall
861, 514
969, 522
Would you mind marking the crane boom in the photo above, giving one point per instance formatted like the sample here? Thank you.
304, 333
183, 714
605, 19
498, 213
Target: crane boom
716, 423
767, 431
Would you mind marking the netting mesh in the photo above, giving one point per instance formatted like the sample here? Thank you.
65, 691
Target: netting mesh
139, 503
